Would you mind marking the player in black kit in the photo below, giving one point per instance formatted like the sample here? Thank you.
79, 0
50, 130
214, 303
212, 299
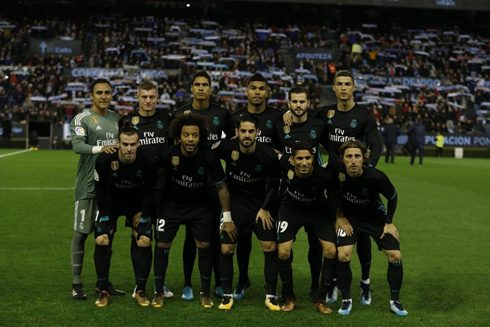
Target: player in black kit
124, 185
310, 129
257, 91
363, 212
219, 123
249, 165
152, 127
185, 167
303, 204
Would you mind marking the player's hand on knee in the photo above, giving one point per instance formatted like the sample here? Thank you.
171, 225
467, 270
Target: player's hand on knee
266, 218
344, 224
230, 229
391, 229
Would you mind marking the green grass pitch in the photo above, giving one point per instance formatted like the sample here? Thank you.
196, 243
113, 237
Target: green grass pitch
443, 217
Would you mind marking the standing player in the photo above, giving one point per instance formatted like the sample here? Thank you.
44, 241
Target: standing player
304, 205
92, 132
257, 91
186, 167
364, 212
310, 129
152, 127
249, 165
124, 185
219, 123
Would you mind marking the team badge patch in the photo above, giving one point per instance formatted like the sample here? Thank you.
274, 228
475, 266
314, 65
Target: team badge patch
215, 121
135, 120
353, 123
175, 161
200, 171
330, 114
159, 124
96, 175
215, 145
187, 112
235, 155
286, 129
290, 174
269, 124
79, 130
313, 134
94, 120
258, 169
115, 165
341, 177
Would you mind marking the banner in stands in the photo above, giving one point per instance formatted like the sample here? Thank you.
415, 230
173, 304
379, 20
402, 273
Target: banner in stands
413, 81
120, 72
454, 140
57, 47
317, 54
18, 130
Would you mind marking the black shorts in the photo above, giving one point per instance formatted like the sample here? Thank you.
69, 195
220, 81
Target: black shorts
103, 227
373, 229
198, 219
245, 223
292, 220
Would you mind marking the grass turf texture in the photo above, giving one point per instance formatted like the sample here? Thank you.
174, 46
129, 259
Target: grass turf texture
442, 217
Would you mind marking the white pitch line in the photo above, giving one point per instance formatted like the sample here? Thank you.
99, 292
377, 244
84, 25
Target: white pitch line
13, 153
36, 188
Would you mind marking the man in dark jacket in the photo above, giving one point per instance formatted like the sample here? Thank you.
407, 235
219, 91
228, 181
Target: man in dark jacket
390, 133
416, 133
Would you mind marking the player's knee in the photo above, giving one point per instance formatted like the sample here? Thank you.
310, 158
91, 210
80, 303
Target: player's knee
102, 240
202, 245
268, 246
330, 251
283, 253
394, 256
227, 248
343, 256
163, 245
143, 242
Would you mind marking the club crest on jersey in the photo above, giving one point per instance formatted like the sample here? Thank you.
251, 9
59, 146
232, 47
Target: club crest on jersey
342, 177
115, 165
313, 134
269, 124
258, 168
215, 121
135, 120
159, 124
286, 129
200, 171
94, 120
175, 161
353, 123
365, 191
290, 174
139, 174
79, 130
330, 114
235, 155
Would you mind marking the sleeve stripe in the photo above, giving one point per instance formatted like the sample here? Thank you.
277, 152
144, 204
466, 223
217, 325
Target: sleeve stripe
394, 195
220, 182
79, 117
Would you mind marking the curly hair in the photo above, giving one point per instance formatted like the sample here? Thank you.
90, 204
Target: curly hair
189, 119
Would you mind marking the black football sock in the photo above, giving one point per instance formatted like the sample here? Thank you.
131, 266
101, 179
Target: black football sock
215, 247
315, 255
160, 265
226, 271
143, 265
101, 260
205, 268
244, 248
286, 272
363, 248
328, 269
134, 253
395, 278
344, 278
188, 257
270, 271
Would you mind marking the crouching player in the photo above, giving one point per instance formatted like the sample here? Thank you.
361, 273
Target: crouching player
250, 166
124, 185
363, 212
304, 205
